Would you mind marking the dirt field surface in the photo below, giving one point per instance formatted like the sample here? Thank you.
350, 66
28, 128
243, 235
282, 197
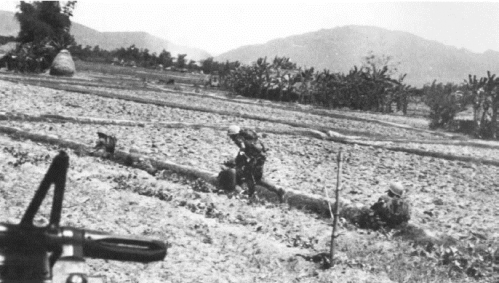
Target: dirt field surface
219, 239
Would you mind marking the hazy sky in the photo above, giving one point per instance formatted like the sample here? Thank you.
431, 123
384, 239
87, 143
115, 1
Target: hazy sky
220, 25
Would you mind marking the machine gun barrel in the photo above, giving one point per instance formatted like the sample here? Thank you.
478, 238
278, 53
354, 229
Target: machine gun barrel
123, 248
86, 243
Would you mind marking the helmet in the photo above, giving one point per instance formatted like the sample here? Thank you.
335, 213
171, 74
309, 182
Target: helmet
233, 130
396, 188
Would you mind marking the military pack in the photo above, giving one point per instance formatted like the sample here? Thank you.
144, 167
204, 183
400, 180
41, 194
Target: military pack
249, 135
393, 211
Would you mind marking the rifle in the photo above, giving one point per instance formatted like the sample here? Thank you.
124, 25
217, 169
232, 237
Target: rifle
54, 254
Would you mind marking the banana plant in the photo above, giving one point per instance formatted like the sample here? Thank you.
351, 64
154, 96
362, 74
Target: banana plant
491, 90
477, 96
365, 88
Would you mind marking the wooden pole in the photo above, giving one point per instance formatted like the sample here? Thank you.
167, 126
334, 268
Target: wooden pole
336, 208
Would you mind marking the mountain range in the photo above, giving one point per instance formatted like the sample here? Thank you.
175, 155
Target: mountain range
338, 49
9, 26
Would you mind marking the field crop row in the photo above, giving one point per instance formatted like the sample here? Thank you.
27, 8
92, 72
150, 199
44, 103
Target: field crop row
273, 115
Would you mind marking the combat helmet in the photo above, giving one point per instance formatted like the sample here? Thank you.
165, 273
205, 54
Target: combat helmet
233, 130
396, 188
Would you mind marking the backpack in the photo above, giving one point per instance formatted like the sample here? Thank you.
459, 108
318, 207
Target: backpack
393, 211
249, 135
401, 211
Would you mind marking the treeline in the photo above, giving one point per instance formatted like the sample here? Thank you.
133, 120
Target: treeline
371, 87
143, 57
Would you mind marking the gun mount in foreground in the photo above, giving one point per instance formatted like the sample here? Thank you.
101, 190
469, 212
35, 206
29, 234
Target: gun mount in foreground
54, 254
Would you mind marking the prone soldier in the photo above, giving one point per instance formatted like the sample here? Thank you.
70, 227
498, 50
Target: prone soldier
394, 208
106, 143
390, 211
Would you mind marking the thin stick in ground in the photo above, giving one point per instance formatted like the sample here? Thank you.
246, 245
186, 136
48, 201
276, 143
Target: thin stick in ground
336, 208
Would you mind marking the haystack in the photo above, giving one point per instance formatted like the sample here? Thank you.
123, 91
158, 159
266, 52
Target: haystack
63, 64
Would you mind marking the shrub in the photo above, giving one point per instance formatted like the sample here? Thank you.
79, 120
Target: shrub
445, 101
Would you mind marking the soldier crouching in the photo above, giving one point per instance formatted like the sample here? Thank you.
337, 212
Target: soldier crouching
250, 161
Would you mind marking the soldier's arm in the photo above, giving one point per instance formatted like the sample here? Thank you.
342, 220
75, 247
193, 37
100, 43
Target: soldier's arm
99, 144
380, 203
376, 206
264, 149
240, 143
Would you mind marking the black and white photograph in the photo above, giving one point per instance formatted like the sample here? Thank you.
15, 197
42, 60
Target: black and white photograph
249, 141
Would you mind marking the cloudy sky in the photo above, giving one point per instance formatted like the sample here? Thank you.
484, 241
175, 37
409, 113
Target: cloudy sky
221, 25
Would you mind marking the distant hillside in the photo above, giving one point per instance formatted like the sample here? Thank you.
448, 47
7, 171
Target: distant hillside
111, 40
341, 48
